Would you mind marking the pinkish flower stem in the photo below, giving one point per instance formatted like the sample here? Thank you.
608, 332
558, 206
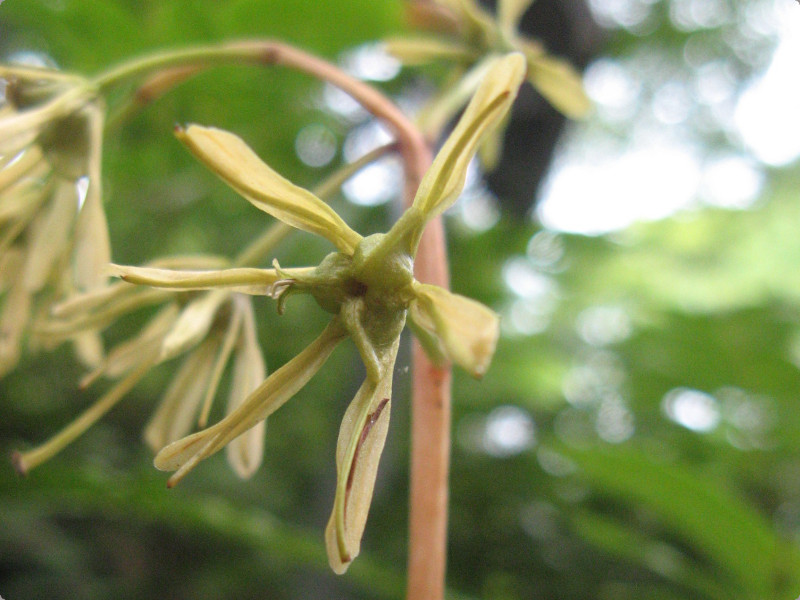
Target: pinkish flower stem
430, 444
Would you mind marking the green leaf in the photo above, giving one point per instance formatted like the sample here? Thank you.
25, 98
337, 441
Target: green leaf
706, 516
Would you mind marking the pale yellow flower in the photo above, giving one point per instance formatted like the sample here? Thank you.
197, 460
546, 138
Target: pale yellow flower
208, 331
474, 38
368, 286
53, 233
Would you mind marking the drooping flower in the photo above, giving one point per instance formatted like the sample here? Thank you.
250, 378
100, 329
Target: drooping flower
368, 286
207, 332
53, 233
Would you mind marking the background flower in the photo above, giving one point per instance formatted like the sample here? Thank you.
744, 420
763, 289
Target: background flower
53, 232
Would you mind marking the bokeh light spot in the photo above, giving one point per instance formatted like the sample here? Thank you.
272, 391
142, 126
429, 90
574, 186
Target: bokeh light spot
693, 409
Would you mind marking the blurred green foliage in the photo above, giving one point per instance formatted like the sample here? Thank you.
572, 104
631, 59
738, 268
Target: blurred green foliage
604, 497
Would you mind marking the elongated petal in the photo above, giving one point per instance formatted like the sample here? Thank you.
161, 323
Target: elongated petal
89, 348
193, 323
140, 348
509, 13
243, 280
57, 329
233, 160
92, 245
86, 302
232, 331
14, 317
466, 330
182, 456
49, 236
245, 452
424, 50
11, 262
204, 262
178, 409
358, 452
558, 81
444, 181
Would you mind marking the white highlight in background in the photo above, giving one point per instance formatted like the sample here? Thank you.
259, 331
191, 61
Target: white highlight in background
768, 114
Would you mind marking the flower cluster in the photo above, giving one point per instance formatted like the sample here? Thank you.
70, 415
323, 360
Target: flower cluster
53, 234
206, 331
192, 327
367, 285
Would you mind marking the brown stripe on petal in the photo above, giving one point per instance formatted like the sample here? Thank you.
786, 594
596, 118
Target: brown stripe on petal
371, 420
